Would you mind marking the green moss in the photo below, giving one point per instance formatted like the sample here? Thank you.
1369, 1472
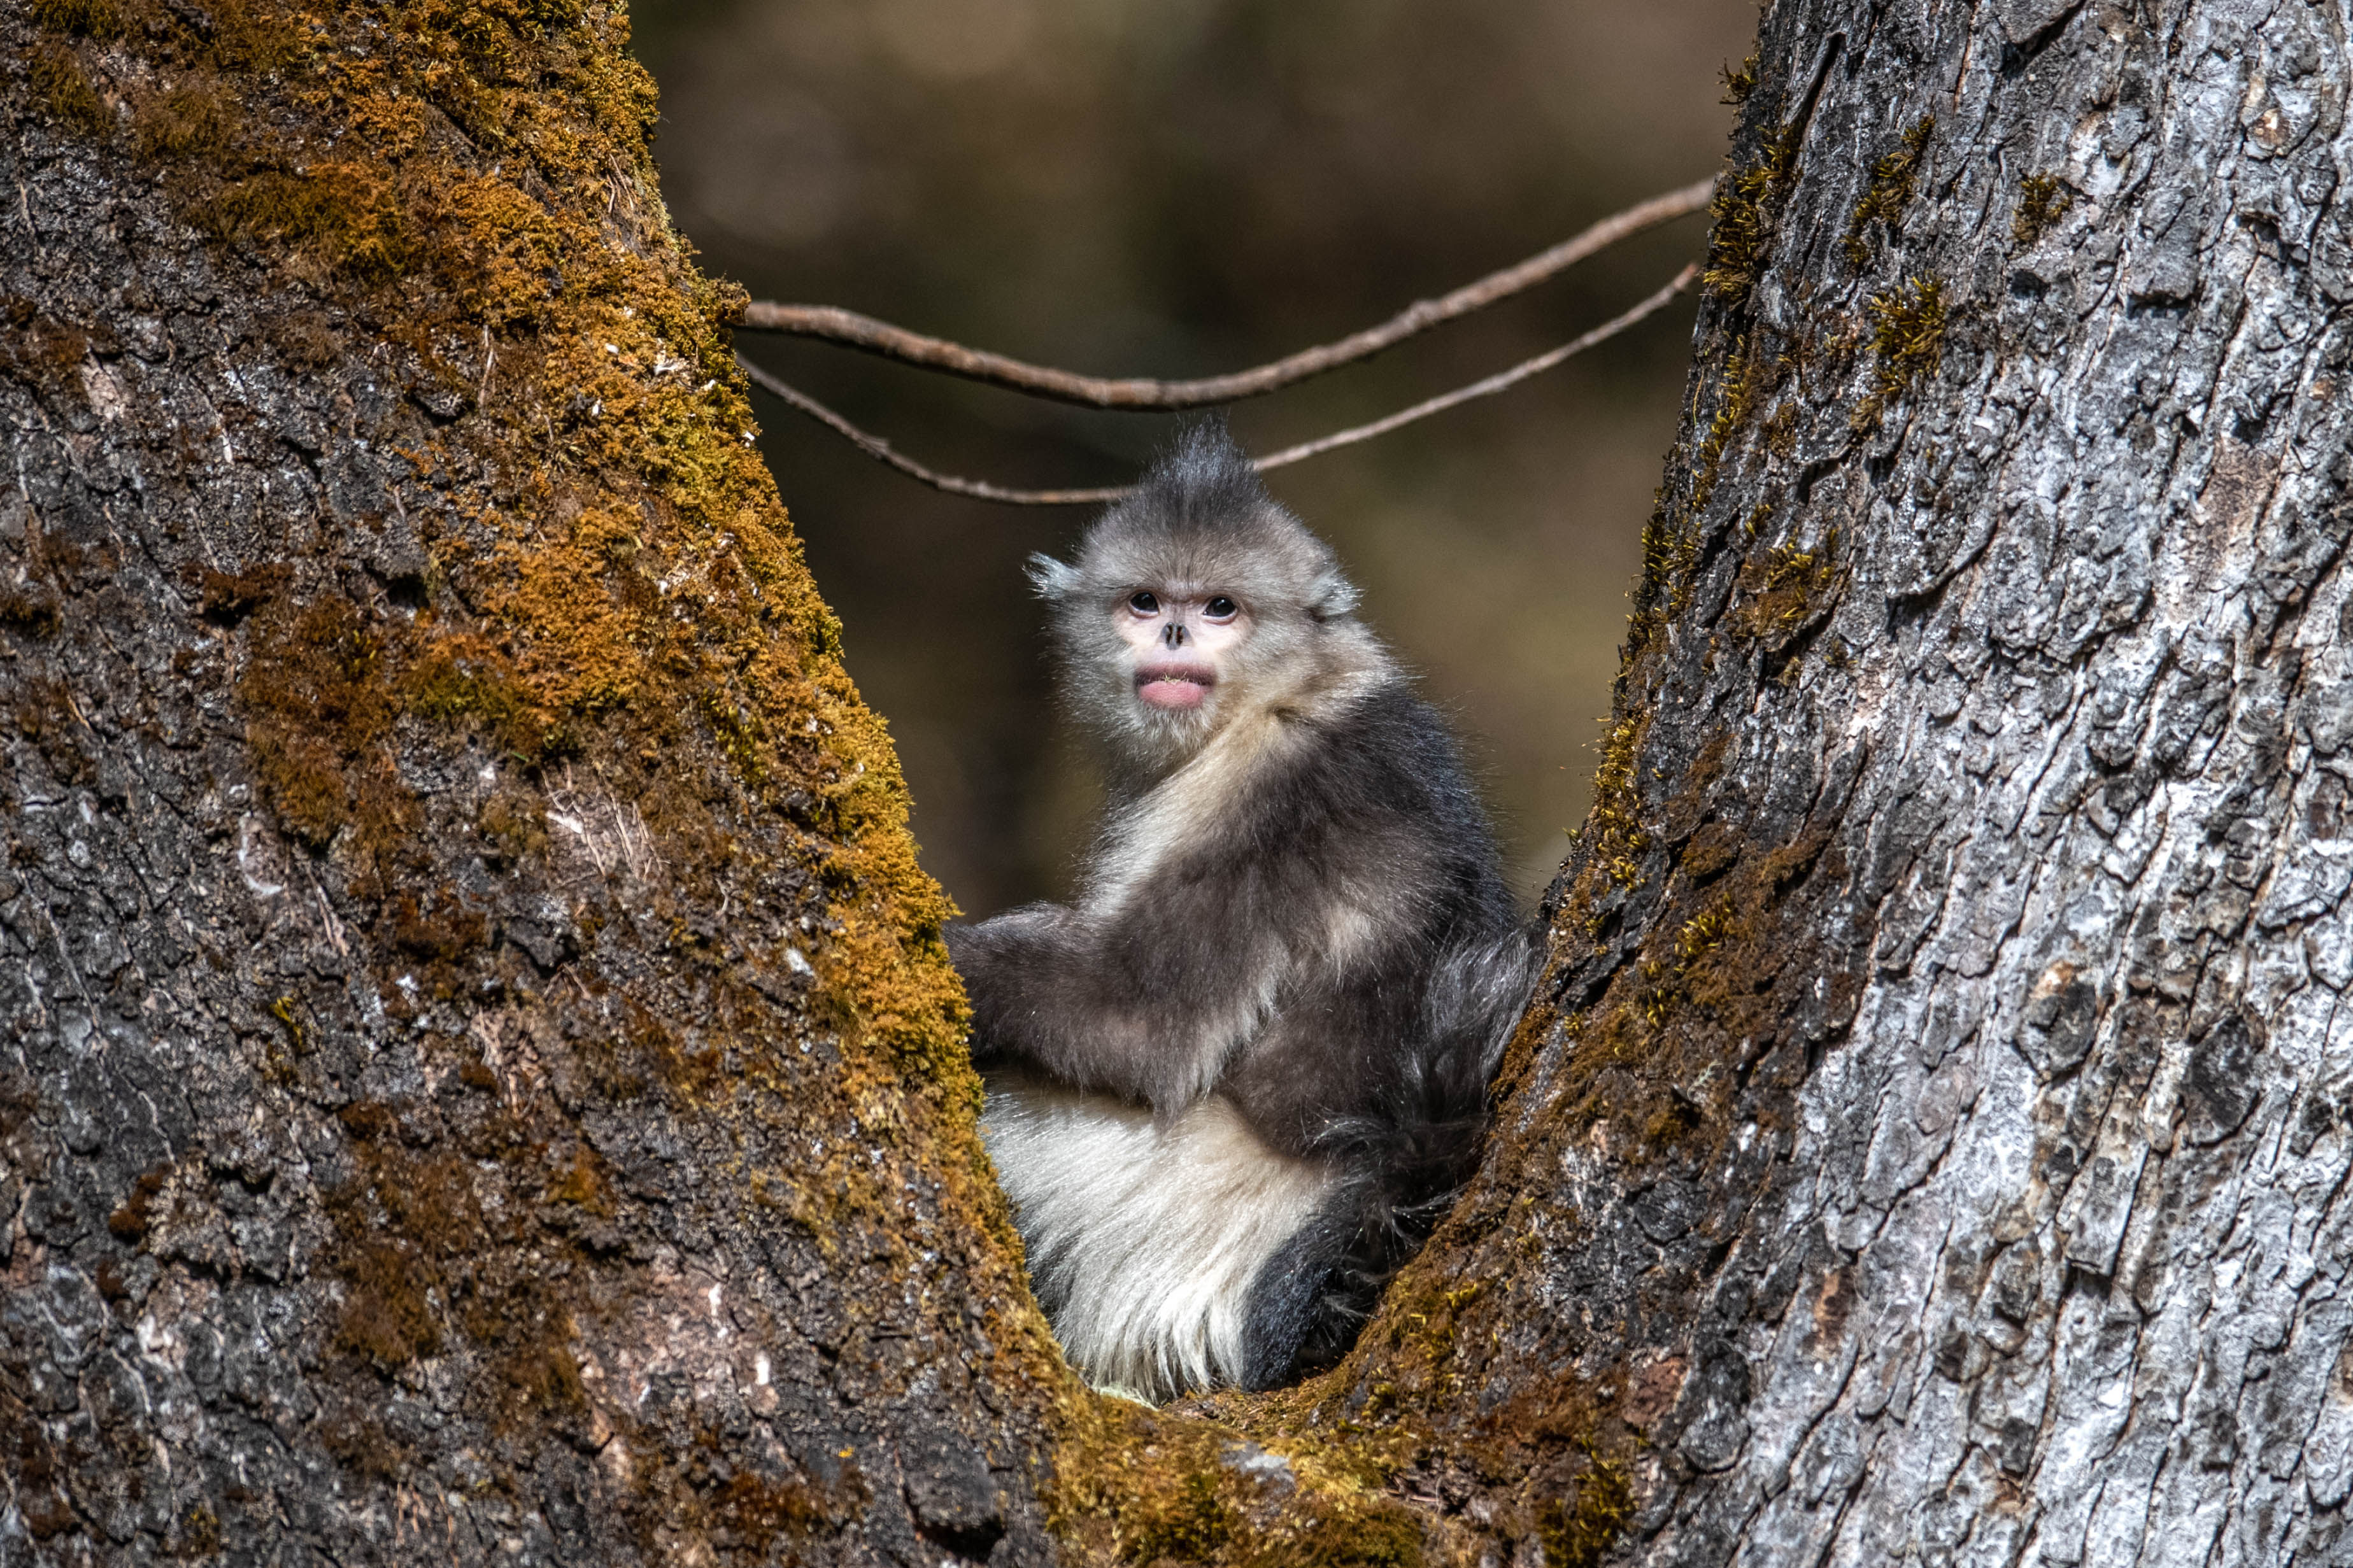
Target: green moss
2043, 200
90, 18
1140, 1487
344, 213
1734, 395
1192, 1525
462, 678
1614, 826
1739, 82
1893, 180
1670, 548
1907, 337
1745, 209
1784, 590
1579, 1531
65, 88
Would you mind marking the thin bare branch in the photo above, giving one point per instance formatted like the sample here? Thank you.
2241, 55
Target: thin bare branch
980, 489
1487, 388
881, 450
836, 325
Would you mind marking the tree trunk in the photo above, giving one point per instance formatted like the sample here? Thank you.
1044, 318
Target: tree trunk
1931, 1144
483, 1081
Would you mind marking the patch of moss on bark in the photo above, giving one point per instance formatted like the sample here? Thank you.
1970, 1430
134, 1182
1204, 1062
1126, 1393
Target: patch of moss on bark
1907, 342
1894, 179
2043, 200
595, 664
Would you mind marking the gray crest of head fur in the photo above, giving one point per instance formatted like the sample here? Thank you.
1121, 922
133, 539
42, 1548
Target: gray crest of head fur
1200, 523
1200, 518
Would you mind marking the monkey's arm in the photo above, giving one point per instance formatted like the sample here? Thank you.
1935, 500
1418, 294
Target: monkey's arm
1095, 1008
1032, 976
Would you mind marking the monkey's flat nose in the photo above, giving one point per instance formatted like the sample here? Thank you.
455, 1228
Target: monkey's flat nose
1173, 635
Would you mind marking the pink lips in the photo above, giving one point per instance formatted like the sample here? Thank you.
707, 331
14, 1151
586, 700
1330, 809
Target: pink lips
1174, 685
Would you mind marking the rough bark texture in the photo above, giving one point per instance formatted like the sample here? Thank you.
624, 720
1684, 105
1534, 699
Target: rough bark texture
1934, 1147
481, 1079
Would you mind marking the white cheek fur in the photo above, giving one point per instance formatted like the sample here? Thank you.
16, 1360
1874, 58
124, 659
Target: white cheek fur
1168, 1226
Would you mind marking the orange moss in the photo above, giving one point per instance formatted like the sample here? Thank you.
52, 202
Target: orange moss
65, 88
580, 606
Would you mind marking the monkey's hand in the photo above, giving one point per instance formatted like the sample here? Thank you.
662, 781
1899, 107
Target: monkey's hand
1009, 963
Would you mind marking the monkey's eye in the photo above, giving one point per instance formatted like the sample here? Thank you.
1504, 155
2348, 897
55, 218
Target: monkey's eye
1220, 609
1144, 604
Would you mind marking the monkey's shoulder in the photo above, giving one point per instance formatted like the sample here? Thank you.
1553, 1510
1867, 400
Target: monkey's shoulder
1389, 752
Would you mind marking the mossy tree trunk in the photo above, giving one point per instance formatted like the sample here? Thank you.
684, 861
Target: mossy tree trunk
483, 1081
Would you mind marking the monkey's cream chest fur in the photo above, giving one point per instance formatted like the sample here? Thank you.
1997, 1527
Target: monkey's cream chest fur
1144, 1240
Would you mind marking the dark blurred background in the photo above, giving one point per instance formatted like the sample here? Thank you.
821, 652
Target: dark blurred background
1176, 188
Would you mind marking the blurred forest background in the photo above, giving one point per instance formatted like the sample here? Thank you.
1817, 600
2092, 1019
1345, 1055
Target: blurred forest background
1181, 187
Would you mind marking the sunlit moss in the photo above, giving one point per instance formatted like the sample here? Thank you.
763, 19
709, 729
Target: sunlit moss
2043, 200
1747, 202
1893, 180
1739, 82
1907, 340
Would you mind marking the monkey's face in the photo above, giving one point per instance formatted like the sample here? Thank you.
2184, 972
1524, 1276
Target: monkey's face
1193, 604
1179, 645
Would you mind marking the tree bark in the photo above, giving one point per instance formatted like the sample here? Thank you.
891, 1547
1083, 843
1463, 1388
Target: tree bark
1931, 1144
483, 1081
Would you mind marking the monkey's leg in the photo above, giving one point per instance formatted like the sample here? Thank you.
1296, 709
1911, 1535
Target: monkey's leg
1314, 1292
1143, 1241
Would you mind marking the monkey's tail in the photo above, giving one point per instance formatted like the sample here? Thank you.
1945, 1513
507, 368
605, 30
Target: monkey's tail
1408, 1158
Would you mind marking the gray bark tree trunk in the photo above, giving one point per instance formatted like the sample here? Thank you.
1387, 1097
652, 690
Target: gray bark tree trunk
1935, 1146
481, 1079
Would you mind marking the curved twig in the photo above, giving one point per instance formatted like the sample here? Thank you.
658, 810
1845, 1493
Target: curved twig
980, 489
883, 451
1487, 388
833, 324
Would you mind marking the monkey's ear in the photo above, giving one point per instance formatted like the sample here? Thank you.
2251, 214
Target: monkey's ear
1330, 596
1053, 578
